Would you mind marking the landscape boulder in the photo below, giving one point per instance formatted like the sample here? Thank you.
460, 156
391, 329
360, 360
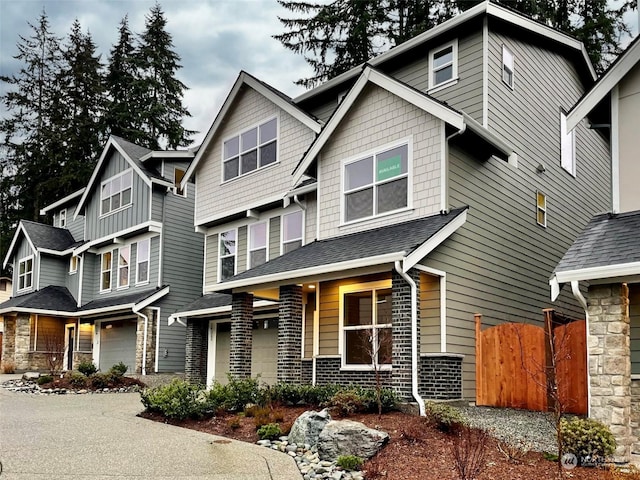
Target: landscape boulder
308, 426
346, 437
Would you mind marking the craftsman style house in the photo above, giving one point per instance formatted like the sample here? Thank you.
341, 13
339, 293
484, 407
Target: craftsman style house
606, 257
99, 283
361, 225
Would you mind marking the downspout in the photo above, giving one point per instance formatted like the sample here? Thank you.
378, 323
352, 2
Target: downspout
299, 203
414, 338
575, 289
144, 339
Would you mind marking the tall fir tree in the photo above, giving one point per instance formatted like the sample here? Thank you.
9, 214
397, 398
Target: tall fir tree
83, 91
161, 92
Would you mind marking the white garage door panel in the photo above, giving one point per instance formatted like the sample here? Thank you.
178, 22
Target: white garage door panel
118, 344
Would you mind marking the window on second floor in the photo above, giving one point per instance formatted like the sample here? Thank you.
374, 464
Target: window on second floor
292, 229
115, 193
62, 221
376, 184
105, 271
257, 244
142, 261
507, 66
178, 175
227, 247
124, 254
443, 65
25, 273
250, 150
73, 264
567, 146
541, 209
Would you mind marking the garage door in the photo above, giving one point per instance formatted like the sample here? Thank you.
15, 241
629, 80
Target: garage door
118, 344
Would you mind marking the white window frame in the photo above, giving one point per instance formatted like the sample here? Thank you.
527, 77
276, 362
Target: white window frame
62, 218
234, 255
73, 264
140, 260
258, 146
355, 288
454, 63
112, 194
508, 66
126, 266
109, 270
284, 241
373, 153
26, 273
176, 185
249, 241
541, 209
567, 146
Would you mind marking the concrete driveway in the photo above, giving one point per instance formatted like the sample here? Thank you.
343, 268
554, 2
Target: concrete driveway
100, 437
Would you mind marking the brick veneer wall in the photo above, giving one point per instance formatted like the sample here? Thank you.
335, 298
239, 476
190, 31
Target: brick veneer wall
290, 334
328, 371
401, 332
440, 377
306, 367
196, 349
241, 335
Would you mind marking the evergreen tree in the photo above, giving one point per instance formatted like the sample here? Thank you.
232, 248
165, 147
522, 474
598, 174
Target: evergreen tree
408, 18
161, 92
123, 84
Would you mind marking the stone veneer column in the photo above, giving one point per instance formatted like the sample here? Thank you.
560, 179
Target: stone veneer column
22, 342
401, 333
290, 334
196, 350
241, 335
151, 341
9, 340
610, 362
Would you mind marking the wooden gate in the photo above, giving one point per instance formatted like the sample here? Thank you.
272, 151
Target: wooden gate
514, 365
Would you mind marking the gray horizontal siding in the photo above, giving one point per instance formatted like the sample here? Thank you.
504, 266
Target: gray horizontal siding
241, 250
211, 267
274, 237
53, 271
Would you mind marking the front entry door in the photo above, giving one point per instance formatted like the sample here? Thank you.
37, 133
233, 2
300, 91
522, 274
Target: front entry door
70, 344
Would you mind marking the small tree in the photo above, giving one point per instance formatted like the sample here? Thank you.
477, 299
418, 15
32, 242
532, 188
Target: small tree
377, 346
54, 352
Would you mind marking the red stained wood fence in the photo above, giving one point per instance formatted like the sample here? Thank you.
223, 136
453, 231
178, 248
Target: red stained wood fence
514, 364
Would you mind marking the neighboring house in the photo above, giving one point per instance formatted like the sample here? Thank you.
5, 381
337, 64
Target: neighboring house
100, 282
390, 204
606, 257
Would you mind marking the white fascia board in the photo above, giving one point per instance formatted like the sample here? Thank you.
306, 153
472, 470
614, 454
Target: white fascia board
150, 226
170, 154
164, 183
433, 242
292, 275
62, 201
609, 80
239, 210
150, 300
490, 137
595, 273
14, 240
312, 187
56, 253
175, 317
36, 311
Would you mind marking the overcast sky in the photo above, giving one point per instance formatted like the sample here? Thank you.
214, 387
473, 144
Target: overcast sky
215, 39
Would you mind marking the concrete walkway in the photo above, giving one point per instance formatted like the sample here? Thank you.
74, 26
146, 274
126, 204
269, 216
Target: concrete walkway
100, 437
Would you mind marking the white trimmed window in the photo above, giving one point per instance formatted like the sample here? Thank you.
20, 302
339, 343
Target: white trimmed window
115, 193
250, 150
541, 209
567, 146
376, 184
142, 261
105, 271
443, 64
73, 264
507, 66
25, 273
257, 244
62, 221
124, 255
178, 175
227, 254
365, 320
292, 228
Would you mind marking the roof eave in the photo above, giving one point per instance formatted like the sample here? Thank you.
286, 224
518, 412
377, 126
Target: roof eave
62, 201
598, 273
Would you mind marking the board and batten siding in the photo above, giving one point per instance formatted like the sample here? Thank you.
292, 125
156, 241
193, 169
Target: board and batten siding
53, 271
249, 109
134, 214
629, 106
182, 271
377, 119
24, 250
72, 280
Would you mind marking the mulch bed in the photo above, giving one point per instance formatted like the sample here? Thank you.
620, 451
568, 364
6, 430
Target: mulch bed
65, 383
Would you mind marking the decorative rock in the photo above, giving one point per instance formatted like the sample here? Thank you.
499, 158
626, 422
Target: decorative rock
347, 437
31, 376
264, 443
307, 427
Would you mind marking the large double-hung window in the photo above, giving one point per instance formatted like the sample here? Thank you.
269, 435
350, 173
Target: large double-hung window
115, 193
376, 184
250, 150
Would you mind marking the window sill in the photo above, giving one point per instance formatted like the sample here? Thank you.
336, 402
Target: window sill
123, 287
73, 273
442, 86
112, 212
252, 172
375, 217
104, 291
140, 284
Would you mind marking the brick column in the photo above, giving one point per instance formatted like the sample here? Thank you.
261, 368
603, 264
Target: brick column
241, 335
196, 350
290, 334
401, 332
610, 362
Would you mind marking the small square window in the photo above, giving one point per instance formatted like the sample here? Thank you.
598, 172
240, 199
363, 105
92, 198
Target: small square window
62, 221
541, 209
567, 146
73, 264
507, 66
443, 64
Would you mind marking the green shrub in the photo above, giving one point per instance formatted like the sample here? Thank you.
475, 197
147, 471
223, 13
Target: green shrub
178, 399
388, 399
304, 394
350, 462
269, 431
42, 379
588, 439
445, 417
216, 397
78, 380
118, 370
101, 380
242, 391
87, 368
346, 403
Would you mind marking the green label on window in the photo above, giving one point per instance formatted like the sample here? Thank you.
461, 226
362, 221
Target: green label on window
389, 168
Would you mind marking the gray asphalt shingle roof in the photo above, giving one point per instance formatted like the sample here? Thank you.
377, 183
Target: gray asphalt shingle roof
46, 236
606, 240
210, 300
136, 152
401, 237
126, 299
53, 298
